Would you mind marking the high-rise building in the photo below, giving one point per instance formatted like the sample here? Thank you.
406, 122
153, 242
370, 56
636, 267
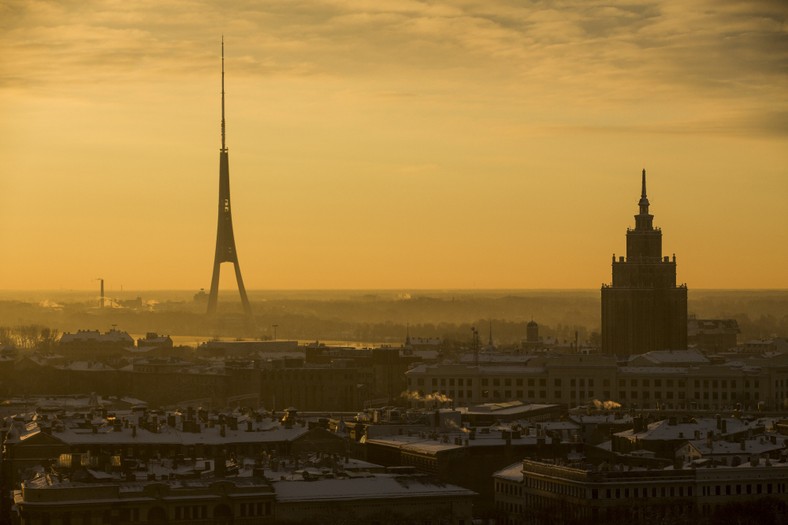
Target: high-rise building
643, 309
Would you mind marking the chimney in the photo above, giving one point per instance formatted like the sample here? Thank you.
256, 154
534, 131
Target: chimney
219, 465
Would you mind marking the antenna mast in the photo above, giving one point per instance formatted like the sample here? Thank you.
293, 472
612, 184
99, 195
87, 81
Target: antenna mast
224, 147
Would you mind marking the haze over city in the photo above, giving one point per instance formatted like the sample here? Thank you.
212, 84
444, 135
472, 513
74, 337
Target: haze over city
401, 144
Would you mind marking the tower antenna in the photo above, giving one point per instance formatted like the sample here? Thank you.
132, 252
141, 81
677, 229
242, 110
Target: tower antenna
224, 147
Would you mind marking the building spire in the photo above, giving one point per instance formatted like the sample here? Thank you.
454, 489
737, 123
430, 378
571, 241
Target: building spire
643, 203
224, 147
643, 191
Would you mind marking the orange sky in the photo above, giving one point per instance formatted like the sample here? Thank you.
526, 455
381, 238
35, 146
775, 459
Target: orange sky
397, 144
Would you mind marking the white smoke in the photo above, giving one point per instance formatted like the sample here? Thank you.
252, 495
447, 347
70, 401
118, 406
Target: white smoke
606, 405
413, 395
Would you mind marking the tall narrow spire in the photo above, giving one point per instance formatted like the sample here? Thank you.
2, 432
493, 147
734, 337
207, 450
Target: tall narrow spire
643, 203
224, 147
643, 190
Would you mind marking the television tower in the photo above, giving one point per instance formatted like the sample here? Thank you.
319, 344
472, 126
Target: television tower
225, 240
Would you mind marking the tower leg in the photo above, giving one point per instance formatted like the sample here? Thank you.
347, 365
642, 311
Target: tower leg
213, 298
242, 290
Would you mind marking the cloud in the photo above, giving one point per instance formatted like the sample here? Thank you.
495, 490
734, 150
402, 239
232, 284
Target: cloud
583, 57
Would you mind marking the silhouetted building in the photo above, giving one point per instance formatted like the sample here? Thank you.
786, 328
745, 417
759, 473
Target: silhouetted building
712, 335
225, 239
643, 309
532, 332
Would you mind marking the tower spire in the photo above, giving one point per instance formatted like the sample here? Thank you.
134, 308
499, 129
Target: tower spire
643, 190
224, 147
643, 203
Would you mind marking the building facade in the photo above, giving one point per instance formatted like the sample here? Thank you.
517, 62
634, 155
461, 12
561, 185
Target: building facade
688, 382
538, 492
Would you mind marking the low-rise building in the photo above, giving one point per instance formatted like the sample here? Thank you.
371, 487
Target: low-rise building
545, 492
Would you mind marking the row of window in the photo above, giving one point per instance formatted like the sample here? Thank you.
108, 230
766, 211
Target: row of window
191, 512
622, 383
255, 509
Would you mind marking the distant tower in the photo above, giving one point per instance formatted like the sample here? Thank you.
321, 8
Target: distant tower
101, 300
225, 240
643, 309
532, 332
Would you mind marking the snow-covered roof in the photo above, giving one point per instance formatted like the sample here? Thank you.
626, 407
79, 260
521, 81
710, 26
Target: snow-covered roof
664, 430
513, 472
381, 486
670, 357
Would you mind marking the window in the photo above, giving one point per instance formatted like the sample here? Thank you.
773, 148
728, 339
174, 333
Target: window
557, 382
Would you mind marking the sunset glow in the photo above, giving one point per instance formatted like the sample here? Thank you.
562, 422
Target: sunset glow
398, 144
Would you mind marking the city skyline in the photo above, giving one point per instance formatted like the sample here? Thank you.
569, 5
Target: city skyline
407, 146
